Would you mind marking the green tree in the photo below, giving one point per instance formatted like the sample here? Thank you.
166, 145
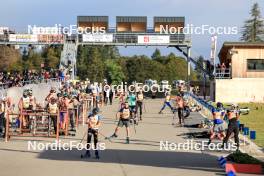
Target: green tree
114, 72
199, 72
108, 52
175, 68
156, 55
90, 64
52, 59
32, 60
253, 27
8, 57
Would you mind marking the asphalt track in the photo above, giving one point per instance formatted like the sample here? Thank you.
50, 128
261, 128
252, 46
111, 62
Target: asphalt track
141, 157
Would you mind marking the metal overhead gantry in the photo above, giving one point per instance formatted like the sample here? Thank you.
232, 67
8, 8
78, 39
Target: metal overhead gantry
129, 31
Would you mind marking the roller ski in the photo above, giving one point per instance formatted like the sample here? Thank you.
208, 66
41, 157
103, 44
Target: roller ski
111, 137
86, 155
97, 154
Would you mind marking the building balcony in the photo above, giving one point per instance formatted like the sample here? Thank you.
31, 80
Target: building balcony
223, 73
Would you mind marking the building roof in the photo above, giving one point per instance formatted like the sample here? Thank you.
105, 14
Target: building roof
170, 19
131, 19
92, 18
228, 45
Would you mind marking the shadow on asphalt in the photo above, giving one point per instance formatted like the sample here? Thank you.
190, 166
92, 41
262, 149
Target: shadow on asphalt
165, 159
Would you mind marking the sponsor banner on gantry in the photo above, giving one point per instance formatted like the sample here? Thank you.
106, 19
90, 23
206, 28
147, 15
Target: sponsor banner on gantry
97, 37
153, 39
23, 38
51, 38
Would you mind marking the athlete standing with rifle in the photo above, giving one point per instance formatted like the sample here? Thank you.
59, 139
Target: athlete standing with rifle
218, 128
233, 116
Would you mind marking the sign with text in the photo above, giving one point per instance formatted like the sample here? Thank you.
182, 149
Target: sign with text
97, 37
23, 38
153, 39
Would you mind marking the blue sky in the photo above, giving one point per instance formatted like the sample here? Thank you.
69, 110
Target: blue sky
19, 13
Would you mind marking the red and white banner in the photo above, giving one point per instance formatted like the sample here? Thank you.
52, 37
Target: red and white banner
153, 39
23, 38
50, 38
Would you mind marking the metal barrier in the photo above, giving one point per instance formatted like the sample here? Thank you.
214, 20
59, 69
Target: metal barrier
23, 83
87, 105
33, 120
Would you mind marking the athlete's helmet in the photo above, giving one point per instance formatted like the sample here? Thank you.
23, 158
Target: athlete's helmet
25, 93
58, 94
95, 111
53, 89
65, 95
53, 99
219, 105
30, 92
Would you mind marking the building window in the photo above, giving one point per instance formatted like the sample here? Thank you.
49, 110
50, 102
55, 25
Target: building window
255, 64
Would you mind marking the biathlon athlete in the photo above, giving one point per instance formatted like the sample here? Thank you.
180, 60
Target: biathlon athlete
131, 99
124, 115
5, 107
180, 108
233, 116
140, 98
93, 121
24, 106
64, 104
32, 100
166, 102
53, 109
218, 128
51, 94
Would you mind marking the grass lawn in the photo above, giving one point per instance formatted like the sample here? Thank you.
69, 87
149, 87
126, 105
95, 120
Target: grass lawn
254, 120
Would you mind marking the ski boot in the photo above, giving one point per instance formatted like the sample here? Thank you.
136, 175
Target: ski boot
112, 136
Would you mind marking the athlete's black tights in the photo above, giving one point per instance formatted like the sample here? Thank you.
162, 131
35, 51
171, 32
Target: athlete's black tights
232, 127
180, 115
92, 132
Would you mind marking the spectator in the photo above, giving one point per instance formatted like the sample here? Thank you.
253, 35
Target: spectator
223, 69
11, 79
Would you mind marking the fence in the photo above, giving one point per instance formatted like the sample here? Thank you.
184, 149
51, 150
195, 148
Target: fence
23, 83
39, 121
223, 73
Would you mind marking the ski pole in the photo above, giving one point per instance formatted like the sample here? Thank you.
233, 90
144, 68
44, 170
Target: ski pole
83, 137
144, 108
